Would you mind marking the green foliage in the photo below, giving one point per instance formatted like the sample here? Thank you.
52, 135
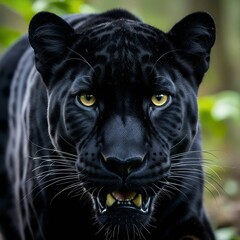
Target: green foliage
24, 8
13, 10
227, 234
219, 114
60, 7
219, 117
11, 36
28, 7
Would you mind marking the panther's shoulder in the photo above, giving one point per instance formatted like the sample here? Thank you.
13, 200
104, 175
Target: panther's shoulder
8, 63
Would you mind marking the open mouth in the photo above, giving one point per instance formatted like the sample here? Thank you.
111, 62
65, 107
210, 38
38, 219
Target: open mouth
123, 199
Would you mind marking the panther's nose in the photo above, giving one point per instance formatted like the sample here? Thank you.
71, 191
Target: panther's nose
123, 147
123, 167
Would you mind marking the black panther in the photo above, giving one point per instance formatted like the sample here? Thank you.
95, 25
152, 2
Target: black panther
100, 134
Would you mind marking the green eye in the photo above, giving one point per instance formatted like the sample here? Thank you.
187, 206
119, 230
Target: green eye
87, 100
160, 99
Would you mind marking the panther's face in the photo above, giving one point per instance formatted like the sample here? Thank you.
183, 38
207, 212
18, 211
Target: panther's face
124, 95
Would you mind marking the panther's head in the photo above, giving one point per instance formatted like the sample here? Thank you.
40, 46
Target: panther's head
123, 94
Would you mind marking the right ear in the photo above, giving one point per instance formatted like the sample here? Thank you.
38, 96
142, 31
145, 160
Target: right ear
194, 33
49, 36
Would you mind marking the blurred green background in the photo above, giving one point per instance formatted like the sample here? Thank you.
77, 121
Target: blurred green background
219, 96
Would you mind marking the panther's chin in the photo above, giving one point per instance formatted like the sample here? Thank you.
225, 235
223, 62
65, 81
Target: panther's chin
124, 208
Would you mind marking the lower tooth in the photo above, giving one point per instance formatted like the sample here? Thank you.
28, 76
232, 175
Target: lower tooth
110, 200
138, 200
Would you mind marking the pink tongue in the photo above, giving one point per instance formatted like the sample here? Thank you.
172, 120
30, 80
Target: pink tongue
123, 195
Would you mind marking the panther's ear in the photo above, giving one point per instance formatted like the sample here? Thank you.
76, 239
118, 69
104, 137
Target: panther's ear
49, 36
195, 34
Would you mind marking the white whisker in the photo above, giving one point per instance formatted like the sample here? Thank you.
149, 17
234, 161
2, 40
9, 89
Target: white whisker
81, 58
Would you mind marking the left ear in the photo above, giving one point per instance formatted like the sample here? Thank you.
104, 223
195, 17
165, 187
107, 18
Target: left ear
49, 36
195, 35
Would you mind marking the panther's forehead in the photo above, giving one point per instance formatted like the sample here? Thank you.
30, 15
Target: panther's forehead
121, 29
123, 51
125, 42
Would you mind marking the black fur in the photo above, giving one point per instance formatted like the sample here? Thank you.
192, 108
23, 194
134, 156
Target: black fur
65, 163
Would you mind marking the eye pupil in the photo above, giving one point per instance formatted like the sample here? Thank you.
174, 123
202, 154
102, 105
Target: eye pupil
88, 97
159, 97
